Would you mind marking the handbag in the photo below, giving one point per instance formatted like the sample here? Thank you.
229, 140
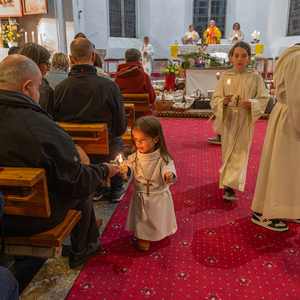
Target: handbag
202, 103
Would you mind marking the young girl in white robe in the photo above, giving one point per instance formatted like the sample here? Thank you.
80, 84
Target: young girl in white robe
239, 100
151, 212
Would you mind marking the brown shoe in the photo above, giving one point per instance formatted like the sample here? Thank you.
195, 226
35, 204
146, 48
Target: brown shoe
143, 245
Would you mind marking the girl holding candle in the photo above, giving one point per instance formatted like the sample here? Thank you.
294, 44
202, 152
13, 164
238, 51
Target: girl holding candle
151, 212
239, 100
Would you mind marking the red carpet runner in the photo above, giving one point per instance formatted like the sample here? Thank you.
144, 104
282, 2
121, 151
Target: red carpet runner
217, 253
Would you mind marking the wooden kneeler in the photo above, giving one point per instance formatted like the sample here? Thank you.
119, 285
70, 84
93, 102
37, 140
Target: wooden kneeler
26, 194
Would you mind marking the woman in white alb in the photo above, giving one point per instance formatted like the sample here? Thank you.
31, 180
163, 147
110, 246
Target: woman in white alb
236, 35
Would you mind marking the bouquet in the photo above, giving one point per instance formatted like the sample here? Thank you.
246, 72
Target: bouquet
172, 69
10, 33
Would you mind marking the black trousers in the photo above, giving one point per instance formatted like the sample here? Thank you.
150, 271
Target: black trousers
84, 232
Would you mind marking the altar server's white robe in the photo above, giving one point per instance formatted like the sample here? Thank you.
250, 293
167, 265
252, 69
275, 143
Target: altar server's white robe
238, 33
237, 123
147, 58
277, 192
151, 217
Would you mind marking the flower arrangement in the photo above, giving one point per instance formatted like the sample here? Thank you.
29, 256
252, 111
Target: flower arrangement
9, 32
172, 69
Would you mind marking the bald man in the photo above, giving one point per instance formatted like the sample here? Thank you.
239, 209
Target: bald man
85, 97
30, 138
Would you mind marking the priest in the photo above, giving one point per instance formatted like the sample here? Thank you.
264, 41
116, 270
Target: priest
191, 36
212, 35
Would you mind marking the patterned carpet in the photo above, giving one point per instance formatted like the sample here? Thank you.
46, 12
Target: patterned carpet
217, 253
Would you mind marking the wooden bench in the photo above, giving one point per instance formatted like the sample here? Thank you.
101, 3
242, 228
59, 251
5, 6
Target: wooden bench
140, 101
91, 137
130, 113
26, 194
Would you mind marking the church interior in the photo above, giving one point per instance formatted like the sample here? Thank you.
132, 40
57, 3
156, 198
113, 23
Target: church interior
216, 252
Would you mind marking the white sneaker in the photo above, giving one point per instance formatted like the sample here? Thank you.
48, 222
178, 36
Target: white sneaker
271, 224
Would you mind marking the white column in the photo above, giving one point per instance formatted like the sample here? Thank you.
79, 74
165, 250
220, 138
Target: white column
61, 28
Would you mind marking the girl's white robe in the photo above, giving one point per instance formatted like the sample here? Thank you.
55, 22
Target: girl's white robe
151, 217
237, 123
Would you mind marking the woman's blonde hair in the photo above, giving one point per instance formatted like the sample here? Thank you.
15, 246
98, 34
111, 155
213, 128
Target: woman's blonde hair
152, 127
60, 61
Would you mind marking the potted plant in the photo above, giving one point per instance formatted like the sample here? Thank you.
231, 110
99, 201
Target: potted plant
170, 72
10, 33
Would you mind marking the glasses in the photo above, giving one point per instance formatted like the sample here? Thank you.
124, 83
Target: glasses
48, 64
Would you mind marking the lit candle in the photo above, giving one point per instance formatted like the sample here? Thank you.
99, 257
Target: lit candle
252, 37
25, 36
41, 37
254, 34
218, 75
258, 35
32, 35
208, 31
228, 92
122, 168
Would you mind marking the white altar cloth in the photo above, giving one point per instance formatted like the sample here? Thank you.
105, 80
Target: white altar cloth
3, 53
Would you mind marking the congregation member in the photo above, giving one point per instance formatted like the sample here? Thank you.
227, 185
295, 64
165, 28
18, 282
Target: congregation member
32, 139
212, 35
131, 79
13, 50
85, 97
59, 69
190, 37
147, 53
98, 66
151, 212
276, 196
41, 57
236, 35
238, 105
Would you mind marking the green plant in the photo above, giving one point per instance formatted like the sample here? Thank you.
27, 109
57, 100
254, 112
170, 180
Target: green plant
9, 32
171, 69
186, 64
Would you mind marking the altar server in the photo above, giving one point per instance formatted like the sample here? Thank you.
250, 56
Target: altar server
191, 36
151, 212
236, 35
239, 100
147, 53
277, 189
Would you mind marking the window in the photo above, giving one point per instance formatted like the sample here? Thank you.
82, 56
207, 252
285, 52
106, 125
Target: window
206, 10
122, 19
294, 18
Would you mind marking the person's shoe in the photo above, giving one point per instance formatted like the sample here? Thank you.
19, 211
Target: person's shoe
216, 140
78, 259
229, 194
271, 224
117, 196
143, 245
100, 193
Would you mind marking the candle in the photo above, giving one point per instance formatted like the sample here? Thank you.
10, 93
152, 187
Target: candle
252, 37
254, 34
41, 37
32, 35
218, 75
258, 35
122, 167
25, 36
228, 92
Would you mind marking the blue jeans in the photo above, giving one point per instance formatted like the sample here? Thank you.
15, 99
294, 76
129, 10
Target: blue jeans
9, 287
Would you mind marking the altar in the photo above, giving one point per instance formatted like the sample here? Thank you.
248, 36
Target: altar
185, 49
202, 78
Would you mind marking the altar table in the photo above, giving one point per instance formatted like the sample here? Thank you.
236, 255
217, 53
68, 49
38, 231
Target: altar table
202, 78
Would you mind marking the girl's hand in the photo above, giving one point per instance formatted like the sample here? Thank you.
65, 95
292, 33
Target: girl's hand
246, 104
123, 169
227, 99
169, 177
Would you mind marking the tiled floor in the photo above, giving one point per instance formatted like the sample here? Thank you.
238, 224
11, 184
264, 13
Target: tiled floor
52, 278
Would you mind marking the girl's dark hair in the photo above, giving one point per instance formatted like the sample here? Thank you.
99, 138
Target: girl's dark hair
97, 62
152, 127
238, 24
35, 52
243, 45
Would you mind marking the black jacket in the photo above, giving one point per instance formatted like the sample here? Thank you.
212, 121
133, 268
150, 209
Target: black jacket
85, 97
46, 97
30, 138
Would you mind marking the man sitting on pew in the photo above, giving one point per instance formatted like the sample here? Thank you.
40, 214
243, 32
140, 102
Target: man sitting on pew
85, 97
30, 138
131, 79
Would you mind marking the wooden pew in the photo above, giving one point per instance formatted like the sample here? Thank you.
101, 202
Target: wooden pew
130, 113
26, 194
91, 137
140, 101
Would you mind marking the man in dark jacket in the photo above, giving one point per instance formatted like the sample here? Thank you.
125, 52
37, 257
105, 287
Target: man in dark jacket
30, 138
85, 97
132, 79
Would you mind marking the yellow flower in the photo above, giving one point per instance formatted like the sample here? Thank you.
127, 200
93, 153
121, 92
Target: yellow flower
176, 72
167, 70
14, 28
172, 71
171, 59
177, 67
18, 35
3, 26
3, 32
6, 39
164, 64
7, 31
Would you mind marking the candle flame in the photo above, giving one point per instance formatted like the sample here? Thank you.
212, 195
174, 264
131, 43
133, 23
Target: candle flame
228, 81
120, 158
218, 73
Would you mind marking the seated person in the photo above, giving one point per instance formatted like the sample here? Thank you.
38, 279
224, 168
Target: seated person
191, 36
32, 139
13, 50
59, 69
131, 79
98, 66
212, 35
85, 97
